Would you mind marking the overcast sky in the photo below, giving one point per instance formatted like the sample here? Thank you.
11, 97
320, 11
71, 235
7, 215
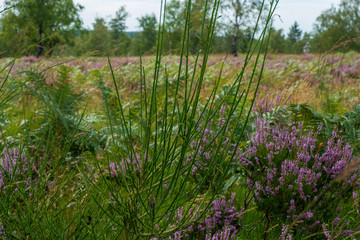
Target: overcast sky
302, 11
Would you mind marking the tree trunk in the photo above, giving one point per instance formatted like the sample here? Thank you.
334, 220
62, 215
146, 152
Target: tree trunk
40, 45
233, 46
235, 38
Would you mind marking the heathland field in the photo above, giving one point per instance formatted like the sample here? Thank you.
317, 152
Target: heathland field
123, 147
184, 142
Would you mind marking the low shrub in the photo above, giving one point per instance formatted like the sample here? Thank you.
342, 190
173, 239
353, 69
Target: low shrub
297, 179
221, 222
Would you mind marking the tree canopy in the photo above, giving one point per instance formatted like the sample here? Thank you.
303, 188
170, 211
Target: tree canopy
337, 25
40, 21
241, 17
295, 33
55, 24
117, 23
148, 23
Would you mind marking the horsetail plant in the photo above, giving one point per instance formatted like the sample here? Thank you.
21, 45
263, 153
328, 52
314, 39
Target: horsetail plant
154, 181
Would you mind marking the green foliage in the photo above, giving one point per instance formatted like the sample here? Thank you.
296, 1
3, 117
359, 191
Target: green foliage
295, 33
99, 38
156, 138
169, 121
242, 17
148, 37
12, 39
174, 22
41, 22
349, 125
120, 40
117, 23
337, 25
278, 43
80, 45
60, 118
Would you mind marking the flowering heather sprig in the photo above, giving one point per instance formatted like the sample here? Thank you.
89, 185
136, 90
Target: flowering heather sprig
307, 57
31, 59
204, 148
15, 166
10, 164
2, 232
346, 69
288, 168
222, 216
267, 105
285, 235
124, 165
333, 59
326, 233
203, 158
222, 235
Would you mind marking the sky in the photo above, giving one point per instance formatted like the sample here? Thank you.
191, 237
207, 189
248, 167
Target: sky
302, 11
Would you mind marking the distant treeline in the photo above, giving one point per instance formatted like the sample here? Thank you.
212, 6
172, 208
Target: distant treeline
54, 28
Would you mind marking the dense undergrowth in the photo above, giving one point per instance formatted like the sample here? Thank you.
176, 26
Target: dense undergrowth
178, 147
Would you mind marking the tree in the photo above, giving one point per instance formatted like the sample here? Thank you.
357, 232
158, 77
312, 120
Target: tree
277, 42
295, 33
99, 37
120, 40
41, 19
117, 24
174, 25
241, 14
337, 25
196, 23
80, 45
148, 24
176, 18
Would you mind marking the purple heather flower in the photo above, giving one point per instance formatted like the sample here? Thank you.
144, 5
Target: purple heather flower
127, 164
346, 233
292, 206
2, 232
336, 220
218, 224
285, 235
326, 233
284, 163
114, 169
308, 215
13, 165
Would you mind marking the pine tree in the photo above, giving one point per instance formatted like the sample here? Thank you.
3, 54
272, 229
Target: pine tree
295, 33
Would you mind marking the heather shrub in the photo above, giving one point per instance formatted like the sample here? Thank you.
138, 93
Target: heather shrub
2, 232
189, 157
221, 222
21, 176
31, 59
268, 105
207, 146
132, 166
17, 171
296, 178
